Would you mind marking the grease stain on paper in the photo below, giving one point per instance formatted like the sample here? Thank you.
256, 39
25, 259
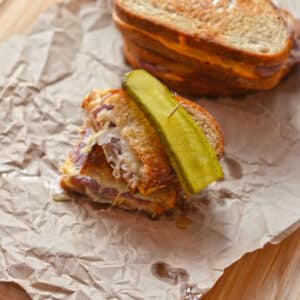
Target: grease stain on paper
169, 274
183, 221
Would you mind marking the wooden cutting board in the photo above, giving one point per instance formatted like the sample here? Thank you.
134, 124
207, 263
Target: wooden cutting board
272, 273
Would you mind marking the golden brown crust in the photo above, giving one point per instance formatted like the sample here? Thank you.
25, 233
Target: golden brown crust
247, 77
208, 44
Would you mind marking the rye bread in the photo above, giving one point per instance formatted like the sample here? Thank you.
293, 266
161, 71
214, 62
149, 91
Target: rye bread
257, 81
252, 32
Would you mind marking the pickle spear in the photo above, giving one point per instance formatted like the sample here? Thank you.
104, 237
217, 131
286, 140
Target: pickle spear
191, 156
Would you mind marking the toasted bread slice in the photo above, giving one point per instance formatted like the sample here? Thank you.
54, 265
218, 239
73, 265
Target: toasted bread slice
89, 174
133, 148
131, 145
179, 77
240, 74
253, 32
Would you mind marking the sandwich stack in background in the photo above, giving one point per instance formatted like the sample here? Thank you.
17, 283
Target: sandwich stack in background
207, 47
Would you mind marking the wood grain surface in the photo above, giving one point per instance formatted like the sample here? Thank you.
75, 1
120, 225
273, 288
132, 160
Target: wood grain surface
272, 273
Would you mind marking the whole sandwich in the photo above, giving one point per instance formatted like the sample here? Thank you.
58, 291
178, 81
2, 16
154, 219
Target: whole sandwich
142, 146
212, 47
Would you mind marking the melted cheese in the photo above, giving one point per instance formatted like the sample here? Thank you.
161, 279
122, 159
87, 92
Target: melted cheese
245, 70
126, 163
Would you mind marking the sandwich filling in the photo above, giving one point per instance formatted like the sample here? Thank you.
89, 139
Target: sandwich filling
130, 143
88, 173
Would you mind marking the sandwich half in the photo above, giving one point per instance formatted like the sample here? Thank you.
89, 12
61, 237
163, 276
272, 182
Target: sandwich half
120, 159
241, 45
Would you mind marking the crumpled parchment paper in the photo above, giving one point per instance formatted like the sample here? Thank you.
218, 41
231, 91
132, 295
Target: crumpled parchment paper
78, 250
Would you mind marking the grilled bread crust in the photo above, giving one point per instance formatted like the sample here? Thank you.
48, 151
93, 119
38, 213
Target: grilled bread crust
239, 74
155, 171
252, 32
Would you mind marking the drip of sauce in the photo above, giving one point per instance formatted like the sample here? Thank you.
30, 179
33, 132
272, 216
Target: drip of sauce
169, 274
183, 222
184, 209
185, 206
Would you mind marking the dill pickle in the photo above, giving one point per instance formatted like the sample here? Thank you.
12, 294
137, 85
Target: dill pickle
190, 154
